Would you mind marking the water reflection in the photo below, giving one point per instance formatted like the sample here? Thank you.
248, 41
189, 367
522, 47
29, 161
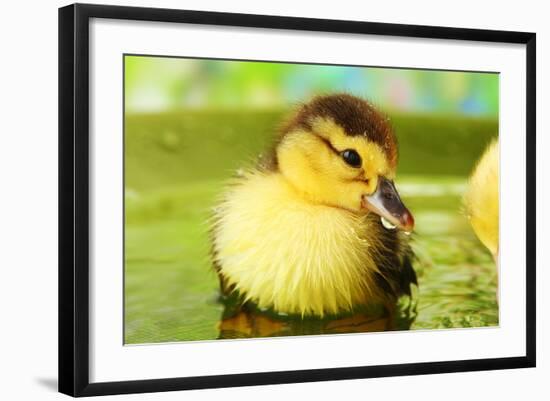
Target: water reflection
247, 321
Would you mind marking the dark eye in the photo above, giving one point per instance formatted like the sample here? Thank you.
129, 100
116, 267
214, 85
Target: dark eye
351, 157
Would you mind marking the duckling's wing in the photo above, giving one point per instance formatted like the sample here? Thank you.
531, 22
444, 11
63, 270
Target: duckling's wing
407, 276
394, 261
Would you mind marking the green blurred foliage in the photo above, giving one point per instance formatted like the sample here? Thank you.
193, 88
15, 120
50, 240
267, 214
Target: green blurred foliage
177, 147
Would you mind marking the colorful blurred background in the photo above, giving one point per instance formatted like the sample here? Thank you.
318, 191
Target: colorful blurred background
160, 84
190, 124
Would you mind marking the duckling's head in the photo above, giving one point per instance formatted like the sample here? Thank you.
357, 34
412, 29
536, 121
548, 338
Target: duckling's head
338, 150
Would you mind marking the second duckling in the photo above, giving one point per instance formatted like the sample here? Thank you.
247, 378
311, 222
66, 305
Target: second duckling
481, 199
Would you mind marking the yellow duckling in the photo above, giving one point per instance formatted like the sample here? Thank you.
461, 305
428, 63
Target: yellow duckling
318, 227
481, 198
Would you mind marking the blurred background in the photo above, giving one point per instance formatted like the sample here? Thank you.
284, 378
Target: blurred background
160, 84
189, 124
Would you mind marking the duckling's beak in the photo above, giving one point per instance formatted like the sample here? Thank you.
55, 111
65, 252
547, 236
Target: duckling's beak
386, 203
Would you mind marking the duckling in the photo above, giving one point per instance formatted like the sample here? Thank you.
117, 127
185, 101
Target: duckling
481, 198
317, 227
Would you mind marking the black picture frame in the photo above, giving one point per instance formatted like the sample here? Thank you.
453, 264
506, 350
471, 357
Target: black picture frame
74, 194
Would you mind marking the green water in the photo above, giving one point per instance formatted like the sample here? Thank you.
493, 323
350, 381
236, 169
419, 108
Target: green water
176, 165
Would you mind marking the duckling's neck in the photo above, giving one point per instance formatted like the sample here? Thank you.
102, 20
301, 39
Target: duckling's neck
302, 193
281, 250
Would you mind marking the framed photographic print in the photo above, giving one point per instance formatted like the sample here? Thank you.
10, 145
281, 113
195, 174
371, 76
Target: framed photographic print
250, 199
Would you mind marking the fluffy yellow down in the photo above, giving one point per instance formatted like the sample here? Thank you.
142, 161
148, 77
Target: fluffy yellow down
482, 198
289, 254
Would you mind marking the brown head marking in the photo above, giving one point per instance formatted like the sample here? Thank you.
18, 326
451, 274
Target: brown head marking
355, 115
